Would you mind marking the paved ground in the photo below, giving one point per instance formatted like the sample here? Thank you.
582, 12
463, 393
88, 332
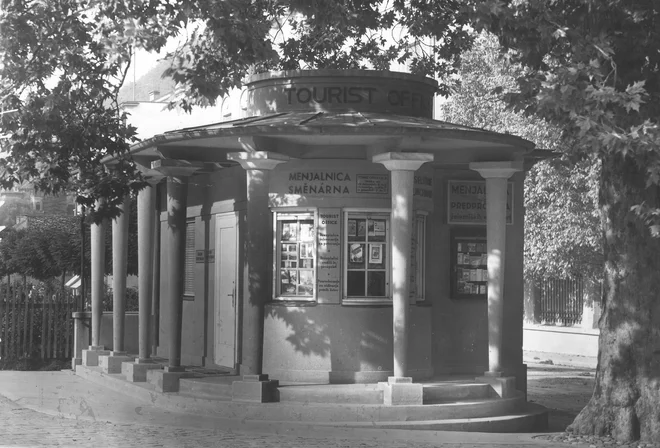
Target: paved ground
60, 409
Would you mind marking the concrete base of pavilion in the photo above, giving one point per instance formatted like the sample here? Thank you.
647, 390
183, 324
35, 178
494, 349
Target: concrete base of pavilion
448, 403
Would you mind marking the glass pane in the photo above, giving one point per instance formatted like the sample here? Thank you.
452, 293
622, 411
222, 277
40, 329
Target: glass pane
306, 250
289, 231
288, 281
376, 284
306, 287
306, 263
307, 230
355, 283
356, 255
361, 230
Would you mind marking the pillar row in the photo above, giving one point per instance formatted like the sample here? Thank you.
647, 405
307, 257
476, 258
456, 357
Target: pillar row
496, 175
258, 166
403, 167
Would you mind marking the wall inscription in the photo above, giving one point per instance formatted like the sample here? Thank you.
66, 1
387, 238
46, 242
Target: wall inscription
328, 243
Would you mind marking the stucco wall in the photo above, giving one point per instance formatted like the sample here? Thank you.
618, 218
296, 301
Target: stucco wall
340, 343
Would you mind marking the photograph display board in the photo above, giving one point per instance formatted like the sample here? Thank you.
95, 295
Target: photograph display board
469, 270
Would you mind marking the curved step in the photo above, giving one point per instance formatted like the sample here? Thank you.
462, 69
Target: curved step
531, 418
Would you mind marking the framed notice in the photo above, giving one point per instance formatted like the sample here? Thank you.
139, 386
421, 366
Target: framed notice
466, 202
375, 253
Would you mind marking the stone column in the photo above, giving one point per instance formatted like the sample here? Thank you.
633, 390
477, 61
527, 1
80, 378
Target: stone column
258, 165
112, 363
403, 167
146, 216
496, 175
137, 371
119, 273
97, 247
178, 174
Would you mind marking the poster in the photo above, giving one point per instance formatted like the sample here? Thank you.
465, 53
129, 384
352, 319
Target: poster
361, 228
352, 227
375, 253
357, 253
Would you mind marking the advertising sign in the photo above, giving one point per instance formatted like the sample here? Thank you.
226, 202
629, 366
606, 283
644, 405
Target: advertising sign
466, 202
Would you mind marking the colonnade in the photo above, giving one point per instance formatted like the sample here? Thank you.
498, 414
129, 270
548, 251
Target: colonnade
258, 275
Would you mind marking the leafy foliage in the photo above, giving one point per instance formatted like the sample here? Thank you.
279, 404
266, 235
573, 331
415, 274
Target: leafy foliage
562, 221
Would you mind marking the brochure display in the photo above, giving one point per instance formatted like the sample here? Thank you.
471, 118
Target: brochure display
469, 270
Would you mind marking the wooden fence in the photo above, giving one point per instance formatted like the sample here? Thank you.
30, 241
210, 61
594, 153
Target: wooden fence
560, 301
35, 325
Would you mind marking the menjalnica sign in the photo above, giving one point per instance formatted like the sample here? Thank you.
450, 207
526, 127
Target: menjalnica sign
346, 90
466, 202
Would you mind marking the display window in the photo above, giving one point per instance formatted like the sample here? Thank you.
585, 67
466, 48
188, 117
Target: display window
366, 256
295, 256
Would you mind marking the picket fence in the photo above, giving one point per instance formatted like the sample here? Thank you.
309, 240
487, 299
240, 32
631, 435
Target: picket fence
560, 301
35, 324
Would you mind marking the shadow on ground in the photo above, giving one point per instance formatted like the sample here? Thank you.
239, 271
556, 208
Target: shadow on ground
563, 390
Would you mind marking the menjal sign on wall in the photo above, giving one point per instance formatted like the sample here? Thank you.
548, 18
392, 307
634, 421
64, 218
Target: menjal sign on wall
466, 202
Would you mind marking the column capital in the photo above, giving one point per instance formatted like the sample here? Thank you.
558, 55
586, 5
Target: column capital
402, 161
497, 170
176, 168
258, 160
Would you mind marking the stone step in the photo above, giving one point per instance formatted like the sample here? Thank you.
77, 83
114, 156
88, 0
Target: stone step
530, 417
452, 392
331, 393
211, 388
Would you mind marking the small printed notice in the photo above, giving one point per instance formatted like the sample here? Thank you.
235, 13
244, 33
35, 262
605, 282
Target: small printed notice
373, 183
328, 251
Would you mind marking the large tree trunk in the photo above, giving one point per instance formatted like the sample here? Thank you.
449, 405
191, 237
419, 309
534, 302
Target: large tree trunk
626, 399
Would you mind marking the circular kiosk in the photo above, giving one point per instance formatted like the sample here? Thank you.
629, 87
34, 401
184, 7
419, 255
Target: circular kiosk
340, 234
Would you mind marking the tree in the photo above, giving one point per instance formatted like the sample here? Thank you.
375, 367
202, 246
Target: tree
590, 68
562, 221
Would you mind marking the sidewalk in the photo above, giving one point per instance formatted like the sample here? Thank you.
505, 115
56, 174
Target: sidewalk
559, 359
85, 408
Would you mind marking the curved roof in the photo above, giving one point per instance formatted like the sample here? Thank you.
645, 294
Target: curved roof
335, 135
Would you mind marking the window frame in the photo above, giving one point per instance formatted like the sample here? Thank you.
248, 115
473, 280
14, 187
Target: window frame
189, 294
419, 227
367, 213
282, 215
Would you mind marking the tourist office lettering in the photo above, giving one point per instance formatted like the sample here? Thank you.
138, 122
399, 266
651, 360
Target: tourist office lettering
354, 95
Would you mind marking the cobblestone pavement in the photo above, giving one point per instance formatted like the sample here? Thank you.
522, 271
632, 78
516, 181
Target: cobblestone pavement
24, 427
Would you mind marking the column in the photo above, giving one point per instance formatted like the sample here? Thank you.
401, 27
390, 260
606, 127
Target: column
119, 273
137, 371
146, 228
496, 175
258, 165
403, 167
178, 174
112, 362
90, 357
97, 248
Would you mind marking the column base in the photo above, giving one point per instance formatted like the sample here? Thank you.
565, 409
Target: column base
254, 389
504, 386
111, 363
75, 362
166, 381
400, 391
90, 358
136, 372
